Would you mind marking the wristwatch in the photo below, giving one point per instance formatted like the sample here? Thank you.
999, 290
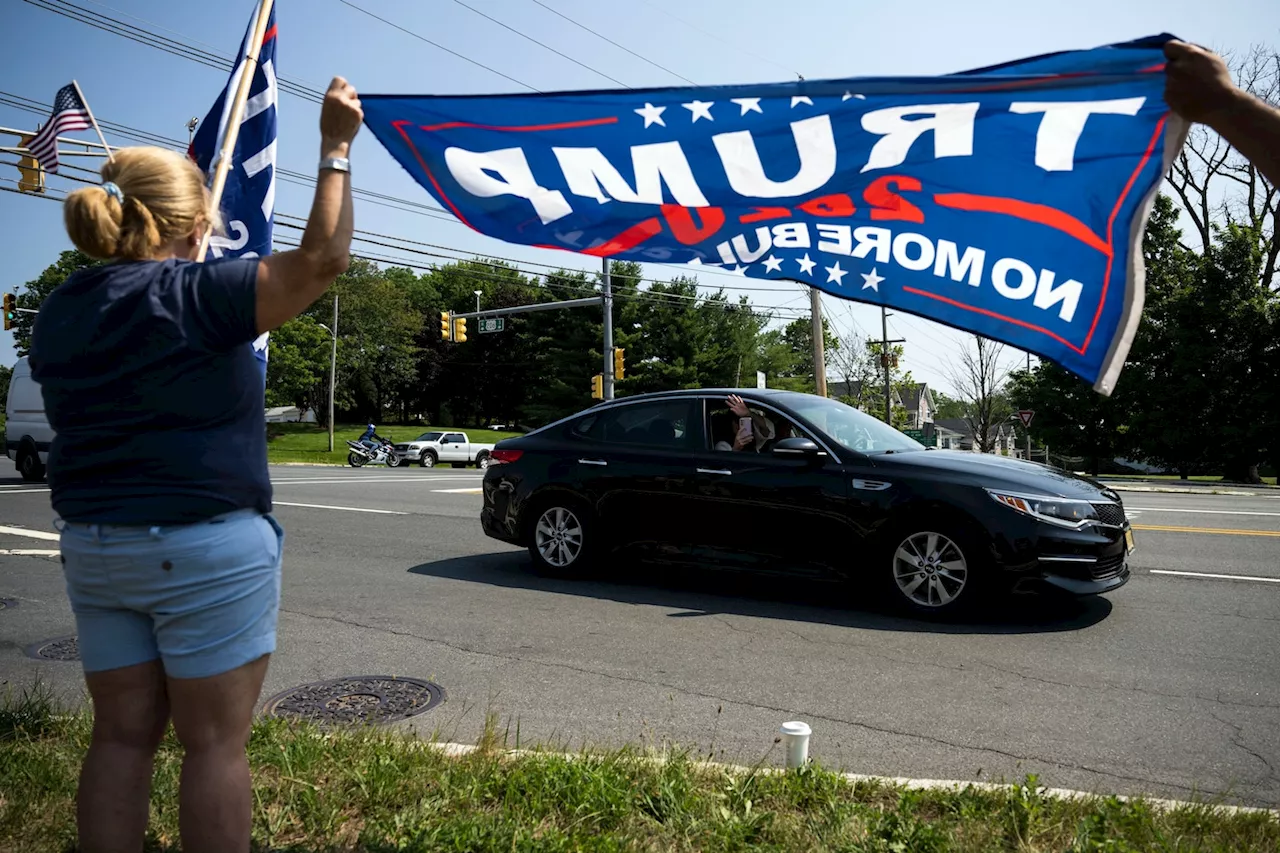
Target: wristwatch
337, 164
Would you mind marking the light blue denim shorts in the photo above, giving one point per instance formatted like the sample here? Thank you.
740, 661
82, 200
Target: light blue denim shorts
202, 598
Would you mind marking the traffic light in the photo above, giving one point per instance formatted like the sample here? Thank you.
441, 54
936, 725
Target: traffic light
619, 363
10, 311
459, 330
597, 387
446, 327
30, 172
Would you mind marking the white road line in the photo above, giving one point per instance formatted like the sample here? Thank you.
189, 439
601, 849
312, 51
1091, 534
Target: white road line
343, 508
1214, 576
355, 481
27, 552
459, 491
30, 534
1204, 511
22, 491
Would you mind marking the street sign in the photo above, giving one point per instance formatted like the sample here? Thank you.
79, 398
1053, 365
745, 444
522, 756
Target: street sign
492, 324
918, 435
1025, 415
759, 379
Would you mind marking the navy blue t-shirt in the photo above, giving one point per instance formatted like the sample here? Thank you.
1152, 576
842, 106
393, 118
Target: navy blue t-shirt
153, 392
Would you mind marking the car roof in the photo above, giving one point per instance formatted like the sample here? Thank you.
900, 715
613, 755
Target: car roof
761, 393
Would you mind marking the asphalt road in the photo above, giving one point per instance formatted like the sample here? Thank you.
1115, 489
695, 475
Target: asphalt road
1169, 686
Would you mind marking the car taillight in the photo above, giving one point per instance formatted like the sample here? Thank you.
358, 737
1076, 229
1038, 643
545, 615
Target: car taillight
501, 457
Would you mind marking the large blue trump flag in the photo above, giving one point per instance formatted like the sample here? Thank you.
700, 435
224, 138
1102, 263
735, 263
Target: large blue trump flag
249, 197
1008, 201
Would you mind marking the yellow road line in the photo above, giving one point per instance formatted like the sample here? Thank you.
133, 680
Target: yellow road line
1221, 531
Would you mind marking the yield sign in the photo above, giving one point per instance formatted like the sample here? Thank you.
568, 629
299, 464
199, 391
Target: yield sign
1025, 415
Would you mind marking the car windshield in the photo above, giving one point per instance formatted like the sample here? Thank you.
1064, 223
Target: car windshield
430, 436
851, 428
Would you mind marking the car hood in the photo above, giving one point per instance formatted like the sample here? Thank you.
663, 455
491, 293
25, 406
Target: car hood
1000, 472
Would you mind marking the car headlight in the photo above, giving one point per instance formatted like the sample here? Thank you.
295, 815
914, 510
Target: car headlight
1062, 512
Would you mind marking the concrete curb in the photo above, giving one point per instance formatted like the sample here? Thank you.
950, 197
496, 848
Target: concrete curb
1171, 490
458, 750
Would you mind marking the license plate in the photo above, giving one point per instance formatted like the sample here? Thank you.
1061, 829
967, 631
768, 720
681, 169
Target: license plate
1128, 540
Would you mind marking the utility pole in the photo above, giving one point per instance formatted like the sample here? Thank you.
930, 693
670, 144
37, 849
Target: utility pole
606, 299
333, 364
885, 363
819, 358
1028, 427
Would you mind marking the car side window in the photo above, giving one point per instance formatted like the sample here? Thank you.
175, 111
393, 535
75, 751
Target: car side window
658, 424
722, 427
454, 438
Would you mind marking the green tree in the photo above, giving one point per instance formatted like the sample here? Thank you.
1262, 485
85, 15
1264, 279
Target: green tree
298, 367
1071, 417
34, 292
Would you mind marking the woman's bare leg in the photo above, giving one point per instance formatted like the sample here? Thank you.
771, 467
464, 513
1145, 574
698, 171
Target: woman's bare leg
130, 712
212, 717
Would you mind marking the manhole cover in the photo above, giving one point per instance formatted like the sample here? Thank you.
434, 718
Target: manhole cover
8, 603
358, 699
63, 648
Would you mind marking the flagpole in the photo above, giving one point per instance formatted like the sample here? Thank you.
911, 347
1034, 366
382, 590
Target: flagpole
93, 121
227, 153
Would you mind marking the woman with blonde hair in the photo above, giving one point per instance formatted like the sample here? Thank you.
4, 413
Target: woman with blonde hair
158, 473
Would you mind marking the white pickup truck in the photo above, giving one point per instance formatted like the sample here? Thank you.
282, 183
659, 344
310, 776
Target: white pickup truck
455, 448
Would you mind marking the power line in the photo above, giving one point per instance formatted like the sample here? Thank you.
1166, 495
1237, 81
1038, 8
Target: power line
423, 38
736, 47
543, 45
142, 36
582, 26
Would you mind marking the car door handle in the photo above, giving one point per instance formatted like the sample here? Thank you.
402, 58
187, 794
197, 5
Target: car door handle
592, 462
723, 472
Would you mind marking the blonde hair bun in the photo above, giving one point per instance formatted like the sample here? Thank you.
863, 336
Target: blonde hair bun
164, 199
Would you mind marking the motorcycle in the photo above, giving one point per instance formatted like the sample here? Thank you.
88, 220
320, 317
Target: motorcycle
383, 454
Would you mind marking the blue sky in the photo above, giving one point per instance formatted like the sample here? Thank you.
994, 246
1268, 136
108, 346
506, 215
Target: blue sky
708, 41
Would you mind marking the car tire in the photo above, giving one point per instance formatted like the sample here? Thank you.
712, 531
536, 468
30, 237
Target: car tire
29, 465
934, 567
562, 538
482, 461
428, 459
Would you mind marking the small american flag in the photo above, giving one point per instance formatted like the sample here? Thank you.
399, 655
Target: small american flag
69, 113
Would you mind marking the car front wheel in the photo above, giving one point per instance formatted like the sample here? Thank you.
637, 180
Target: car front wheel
428, 459
562, 539
932, 569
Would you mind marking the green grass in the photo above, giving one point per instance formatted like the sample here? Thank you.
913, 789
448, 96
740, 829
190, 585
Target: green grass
375, 790
1200, 478
309, 443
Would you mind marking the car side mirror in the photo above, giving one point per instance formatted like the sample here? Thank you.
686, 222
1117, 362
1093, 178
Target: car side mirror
799, 448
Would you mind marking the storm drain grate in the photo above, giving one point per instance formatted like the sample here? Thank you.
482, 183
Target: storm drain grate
62, 648
368, 699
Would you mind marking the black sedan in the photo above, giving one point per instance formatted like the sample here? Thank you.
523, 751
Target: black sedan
782, 481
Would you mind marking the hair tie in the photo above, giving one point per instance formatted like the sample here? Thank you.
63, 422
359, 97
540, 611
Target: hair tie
114, 191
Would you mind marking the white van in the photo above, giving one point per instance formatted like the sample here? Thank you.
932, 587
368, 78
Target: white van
27, 434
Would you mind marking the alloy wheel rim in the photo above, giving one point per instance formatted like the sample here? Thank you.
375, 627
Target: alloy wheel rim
558, 536
930, 569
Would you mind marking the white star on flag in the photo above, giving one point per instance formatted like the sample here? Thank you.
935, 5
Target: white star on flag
749, 105
699, 109
772, 264
871, 280
651, 114
801, 99
835, 274
806, 265
848, 95
739, 270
